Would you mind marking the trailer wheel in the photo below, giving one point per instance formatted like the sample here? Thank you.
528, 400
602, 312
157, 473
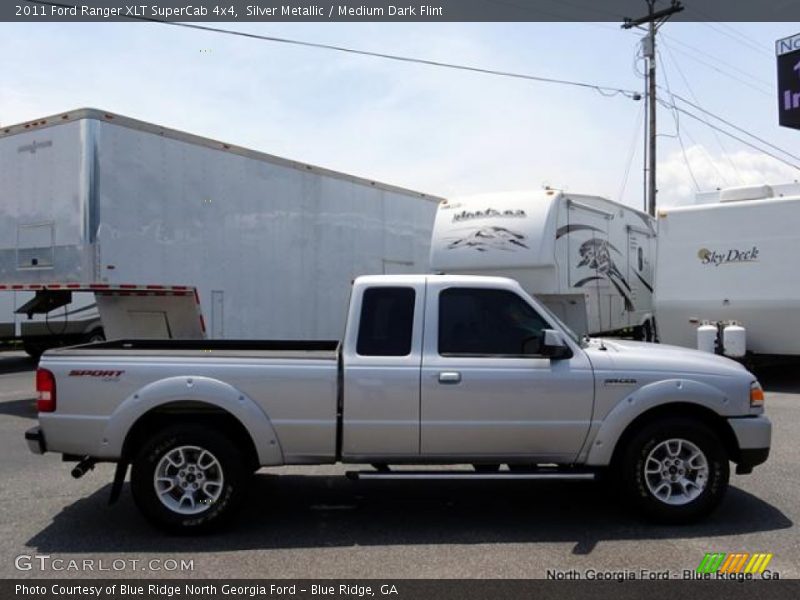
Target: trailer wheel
675, 471
95, 336
34, 351
189, 479
646, 332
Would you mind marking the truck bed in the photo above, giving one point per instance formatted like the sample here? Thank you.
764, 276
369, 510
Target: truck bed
275, 349
284, 391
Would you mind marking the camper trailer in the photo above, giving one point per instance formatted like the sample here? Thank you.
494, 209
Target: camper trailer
175, 235
589, 259
726, 274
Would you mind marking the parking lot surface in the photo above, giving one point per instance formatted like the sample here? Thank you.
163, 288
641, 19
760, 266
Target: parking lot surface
312, 522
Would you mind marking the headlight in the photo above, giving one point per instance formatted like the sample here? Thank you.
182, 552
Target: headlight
756, 395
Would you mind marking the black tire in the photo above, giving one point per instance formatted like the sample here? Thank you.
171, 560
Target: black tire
235, 477
35, 352
638, 487
95, 336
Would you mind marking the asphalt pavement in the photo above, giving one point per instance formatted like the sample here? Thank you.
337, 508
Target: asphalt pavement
312, 522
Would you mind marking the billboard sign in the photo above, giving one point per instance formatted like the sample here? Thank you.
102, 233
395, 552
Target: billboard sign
788, 53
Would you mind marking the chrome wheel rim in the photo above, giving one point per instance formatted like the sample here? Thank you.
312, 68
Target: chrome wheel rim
188, 480
676, 472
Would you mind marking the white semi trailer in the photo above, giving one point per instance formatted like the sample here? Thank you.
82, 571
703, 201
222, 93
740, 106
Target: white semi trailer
726, 274
137, 214
587, 258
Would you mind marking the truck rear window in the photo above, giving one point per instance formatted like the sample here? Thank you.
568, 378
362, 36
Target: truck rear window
387, 317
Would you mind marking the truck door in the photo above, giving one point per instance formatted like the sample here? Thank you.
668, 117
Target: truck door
484, 395
382, 373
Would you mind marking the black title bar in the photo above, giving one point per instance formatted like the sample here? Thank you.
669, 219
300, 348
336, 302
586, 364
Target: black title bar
386, 11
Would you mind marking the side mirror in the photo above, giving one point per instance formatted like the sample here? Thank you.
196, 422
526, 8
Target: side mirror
553, 345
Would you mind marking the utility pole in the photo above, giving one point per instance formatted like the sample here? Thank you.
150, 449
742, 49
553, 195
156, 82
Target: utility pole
654, 19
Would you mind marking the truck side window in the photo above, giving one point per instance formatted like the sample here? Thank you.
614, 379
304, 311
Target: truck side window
387, 317
487, 322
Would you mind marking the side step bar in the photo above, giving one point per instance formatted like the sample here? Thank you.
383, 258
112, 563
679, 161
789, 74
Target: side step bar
467, 475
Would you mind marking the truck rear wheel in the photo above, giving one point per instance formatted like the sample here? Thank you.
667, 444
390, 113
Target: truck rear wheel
675, 471
189, 479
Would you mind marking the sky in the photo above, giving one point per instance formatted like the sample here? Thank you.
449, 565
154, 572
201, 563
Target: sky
444, 132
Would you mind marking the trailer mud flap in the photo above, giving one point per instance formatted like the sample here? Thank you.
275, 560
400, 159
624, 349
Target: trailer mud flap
119, 479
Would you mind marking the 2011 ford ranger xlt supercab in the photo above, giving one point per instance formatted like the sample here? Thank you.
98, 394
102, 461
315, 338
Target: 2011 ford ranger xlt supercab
433, 370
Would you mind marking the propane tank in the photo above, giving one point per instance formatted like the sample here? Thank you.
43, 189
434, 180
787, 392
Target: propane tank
734, 340
707, 337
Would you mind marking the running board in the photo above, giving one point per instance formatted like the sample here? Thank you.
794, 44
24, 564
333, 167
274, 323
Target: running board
403, 475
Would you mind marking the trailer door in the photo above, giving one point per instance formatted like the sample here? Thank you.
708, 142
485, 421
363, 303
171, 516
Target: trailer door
590, 260
640, 273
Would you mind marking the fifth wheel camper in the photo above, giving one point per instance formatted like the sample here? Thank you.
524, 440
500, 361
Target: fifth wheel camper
587, 258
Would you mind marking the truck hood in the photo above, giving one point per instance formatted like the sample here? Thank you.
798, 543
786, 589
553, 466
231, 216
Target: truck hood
643, 356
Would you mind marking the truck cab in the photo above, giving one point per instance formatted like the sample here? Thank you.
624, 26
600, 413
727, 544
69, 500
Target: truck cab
457, 368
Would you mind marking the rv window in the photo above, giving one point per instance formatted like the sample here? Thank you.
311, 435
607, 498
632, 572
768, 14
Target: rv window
640, 254
486, 322
387, 318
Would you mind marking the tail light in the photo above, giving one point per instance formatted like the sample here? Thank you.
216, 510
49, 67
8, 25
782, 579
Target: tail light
46, 387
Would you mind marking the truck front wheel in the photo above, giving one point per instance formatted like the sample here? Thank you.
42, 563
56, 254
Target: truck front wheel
675, 470
189, 479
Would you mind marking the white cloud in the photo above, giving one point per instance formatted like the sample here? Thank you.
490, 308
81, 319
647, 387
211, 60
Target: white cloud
713, 171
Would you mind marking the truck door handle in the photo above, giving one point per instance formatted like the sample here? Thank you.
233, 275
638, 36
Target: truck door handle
449, 377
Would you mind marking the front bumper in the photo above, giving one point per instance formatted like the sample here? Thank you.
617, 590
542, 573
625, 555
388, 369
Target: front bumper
754, 437
35, 439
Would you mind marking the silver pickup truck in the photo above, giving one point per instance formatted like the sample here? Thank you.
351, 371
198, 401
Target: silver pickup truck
433, 370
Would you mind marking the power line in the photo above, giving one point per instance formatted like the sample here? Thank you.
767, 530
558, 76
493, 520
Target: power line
738, 38
736, 35
755, 44
694, 97
715, 59
602, 89
631, 152
736, 127
729, 134
724, 72
707, 154
678, 127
